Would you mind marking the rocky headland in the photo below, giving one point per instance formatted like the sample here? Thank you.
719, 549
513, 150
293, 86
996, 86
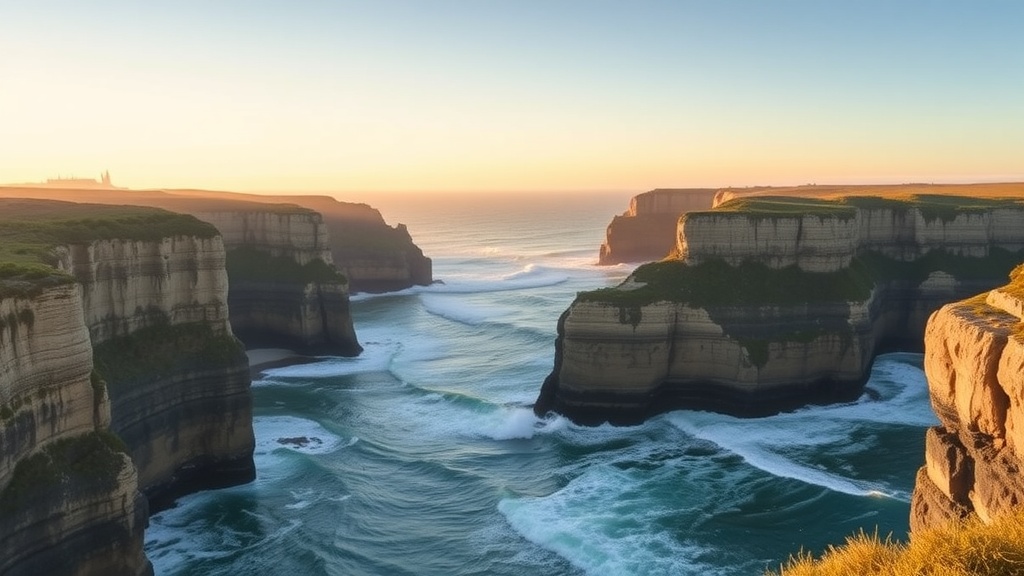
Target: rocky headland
285, 291
119, 377
974, 361
647, 231
770, 303
285, 288
374, 256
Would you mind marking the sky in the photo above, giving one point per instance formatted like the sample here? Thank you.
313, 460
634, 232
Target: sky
524, 95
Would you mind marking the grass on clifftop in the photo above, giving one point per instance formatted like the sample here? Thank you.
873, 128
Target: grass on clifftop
957, 549
716, 283
31, 229
932, 206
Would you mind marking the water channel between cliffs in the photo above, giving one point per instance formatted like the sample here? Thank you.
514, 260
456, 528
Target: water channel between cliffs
422, 455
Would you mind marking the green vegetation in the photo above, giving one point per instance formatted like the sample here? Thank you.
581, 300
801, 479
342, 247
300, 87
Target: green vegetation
932, 206
773, 206
89, 463
31, 229
716, 283
255, 265
160, 351
967, 548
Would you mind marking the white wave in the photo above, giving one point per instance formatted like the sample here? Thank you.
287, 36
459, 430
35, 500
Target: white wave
604, 524
780, 444
460, 311
528, 277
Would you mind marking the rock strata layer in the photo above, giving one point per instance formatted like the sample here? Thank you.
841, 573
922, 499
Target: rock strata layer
285, 291
647, 231
775, 304
178, 379
974, 362
57, 518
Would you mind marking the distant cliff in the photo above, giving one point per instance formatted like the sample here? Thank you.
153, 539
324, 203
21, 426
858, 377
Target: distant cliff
771, 303
285, 291
647, 231
112, 319
974, 361
373, 256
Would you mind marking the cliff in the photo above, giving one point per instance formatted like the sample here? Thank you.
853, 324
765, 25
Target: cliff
647, 231
285, 291
69, 501
974, 362
114, 319
374, 256
772, 303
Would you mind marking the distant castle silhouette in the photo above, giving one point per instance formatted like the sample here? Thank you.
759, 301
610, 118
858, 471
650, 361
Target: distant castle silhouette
61, 182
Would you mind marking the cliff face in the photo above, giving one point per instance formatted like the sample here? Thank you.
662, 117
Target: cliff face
157, 317
374, 256
974, 361
771, 307
284, 289
69, 502
647, 230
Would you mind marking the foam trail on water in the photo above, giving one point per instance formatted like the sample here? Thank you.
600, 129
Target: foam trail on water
451, 308
780, 444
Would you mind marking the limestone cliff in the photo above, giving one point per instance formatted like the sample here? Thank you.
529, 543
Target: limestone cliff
111, 319
157, 316
69, 500
775, 303
974, 362
285, 291
374, 256
647, 231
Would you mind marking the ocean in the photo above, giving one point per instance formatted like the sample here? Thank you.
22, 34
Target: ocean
422, 456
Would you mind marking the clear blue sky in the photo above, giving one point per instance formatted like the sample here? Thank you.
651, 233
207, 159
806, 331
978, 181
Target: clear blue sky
530, 95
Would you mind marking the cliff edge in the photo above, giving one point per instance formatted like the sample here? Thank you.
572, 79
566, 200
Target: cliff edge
647, 231
974, 362
772, 303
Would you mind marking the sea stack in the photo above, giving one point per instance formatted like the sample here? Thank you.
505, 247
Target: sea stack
770, 303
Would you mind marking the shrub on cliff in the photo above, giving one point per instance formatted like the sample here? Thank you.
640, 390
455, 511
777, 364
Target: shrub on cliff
967, 548
256, 265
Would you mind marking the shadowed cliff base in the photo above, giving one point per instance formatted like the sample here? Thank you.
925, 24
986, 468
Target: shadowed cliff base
772, 303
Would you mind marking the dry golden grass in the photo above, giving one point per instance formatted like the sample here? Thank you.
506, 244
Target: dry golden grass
959, 549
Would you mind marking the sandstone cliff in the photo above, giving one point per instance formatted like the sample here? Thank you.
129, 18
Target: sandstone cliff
69, 501
285, 291
647, 231
775, 303
112, 317
974, 361
374, 256
157, 316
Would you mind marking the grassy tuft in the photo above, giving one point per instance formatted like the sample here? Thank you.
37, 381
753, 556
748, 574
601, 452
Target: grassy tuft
966, 548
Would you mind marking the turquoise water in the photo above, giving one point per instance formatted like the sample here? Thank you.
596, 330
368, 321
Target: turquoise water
423, 456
